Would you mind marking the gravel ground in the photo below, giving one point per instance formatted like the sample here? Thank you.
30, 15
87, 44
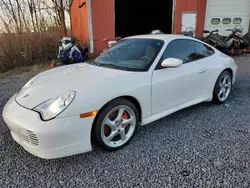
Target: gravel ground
203, 146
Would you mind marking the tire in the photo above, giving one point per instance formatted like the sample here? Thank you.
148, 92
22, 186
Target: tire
123, 133
222, 86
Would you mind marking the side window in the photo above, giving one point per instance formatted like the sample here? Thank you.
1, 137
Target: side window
183, 49
202, 50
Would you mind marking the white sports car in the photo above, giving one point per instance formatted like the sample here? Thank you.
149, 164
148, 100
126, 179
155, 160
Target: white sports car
63, 111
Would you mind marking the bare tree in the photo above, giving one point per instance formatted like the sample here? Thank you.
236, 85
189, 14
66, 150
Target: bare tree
58, 6
10, 13
6, 25
23, 12
32, 15
63, 18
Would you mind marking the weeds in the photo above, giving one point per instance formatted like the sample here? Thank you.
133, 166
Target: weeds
23, 50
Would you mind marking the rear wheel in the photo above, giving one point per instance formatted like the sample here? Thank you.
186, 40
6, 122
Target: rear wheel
116, 125
222, 87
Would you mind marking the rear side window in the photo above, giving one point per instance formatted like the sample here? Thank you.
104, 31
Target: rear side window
202, 50
183, 49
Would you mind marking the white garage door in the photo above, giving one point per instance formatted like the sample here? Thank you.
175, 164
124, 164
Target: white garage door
225, 14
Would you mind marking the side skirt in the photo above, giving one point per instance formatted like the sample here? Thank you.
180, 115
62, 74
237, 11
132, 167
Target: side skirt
163, 114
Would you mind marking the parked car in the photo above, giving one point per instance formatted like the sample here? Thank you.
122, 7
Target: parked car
63, 111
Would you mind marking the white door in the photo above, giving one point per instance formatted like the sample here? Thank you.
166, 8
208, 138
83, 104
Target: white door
189, 20
172, 87
226, 14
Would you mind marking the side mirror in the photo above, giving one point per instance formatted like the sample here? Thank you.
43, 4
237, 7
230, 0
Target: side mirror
171, 63
206, 31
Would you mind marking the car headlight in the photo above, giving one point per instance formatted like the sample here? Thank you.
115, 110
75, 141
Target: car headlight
53, 107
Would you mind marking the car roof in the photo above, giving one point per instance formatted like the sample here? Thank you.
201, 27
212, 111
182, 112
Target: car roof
160, 36
168, 37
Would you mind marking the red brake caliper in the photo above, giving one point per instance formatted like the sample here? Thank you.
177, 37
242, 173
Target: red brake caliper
125, 116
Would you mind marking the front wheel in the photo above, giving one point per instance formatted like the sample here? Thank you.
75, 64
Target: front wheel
222, 87
115, 125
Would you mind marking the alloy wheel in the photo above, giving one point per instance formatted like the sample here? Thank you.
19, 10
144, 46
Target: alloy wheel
118, 126
225, 86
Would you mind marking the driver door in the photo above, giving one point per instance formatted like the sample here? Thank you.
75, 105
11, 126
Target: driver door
173, 87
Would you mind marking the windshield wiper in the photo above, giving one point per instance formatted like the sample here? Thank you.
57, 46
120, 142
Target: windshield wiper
110, 65
94, 63
113, 66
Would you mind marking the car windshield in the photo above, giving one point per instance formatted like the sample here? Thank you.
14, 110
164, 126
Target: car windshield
130, 55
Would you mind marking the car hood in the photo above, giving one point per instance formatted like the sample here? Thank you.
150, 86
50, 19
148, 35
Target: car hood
55, 82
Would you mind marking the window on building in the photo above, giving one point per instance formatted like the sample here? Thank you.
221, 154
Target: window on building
237, 20
226, 21
215, 21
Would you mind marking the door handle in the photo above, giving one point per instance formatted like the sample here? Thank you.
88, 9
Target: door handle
202, 71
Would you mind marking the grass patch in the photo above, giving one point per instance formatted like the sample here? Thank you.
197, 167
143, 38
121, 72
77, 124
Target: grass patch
30, 71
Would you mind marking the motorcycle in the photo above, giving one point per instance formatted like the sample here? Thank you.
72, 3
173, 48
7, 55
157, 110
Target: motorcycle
188, 32
224, 44
211, 37
70, 53
156, 32
110, 43
234, 44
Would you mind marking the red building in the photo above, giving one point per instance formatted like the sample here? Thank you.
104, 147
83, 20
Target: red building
93, 20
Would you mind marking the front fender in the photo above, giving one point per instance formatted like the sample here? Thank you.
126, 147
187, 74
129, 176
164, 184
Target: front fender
95, 96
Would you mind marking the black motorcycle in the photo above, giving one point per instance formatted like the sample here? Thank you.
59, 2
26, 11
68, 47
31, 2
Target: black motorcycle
233, 44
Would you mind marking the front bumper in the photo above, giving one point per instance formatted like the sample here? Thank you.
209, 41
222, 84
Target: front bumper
57, 138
